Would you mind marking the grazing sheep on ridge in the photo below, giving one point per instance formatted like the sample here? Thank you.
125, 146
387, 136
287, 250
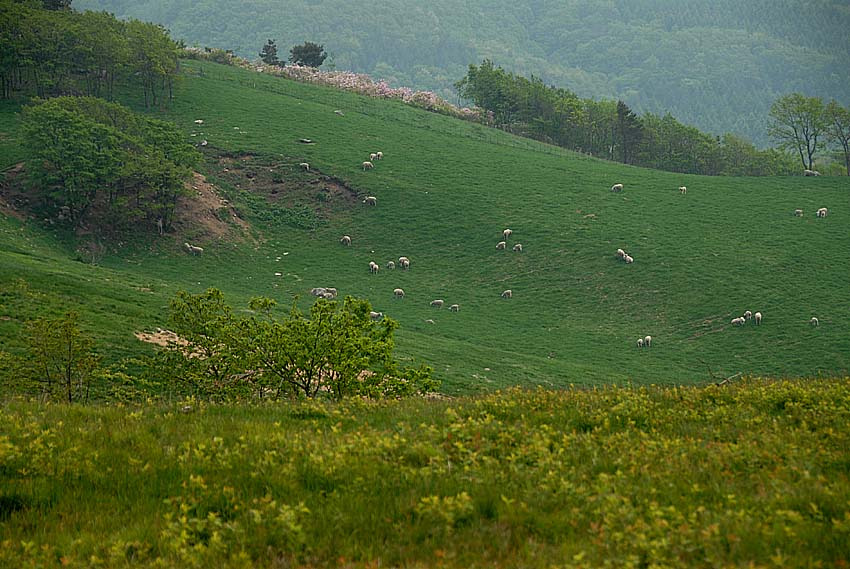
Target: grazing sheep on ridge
683, 189
398, 293
508, 294
306, 166
647, 342
345, 240
367, 166
193, 250
814, 321
811, 173
454, 307
518, 247
757, 317
798, 212
617, 188
437, 303
390, 265
640, 342
500, 246
506, 233
371, 200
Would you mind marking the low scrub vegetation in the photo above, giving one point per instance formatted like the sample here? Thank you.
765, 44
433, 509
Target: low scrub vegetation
748, 474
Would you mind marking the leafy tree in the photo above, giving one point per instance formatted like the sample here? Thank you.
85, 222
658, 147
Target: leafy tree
796, 123
57, 4
308, 53
269, 53
838, 128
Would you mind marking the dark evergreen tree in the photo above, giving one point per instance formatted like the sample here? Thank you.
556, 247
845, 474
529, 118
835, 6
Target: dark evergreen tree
629, 132
309, 54
269, 53
57, 4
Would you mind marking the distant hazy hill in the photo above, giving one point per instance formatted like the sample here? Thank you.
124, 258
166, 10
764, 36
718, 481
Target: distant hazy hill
717, 65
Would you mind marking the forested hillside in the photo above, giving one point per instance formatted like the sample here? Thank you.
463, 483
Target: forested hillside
717, 65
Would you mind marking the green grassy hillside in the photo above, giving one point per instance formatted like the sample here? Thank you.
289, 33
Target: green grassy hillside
445, 191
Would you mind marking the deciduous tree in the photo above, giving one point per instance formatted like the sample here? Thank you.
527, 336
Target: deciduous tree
309, 54
796, 124
838, 128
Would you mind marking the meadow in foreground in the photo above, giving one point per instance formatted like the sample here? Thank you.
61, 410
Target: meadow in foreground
751, 474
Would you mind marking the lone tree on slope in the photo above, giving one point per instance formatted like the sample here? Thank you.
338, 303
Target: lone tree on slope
796, 122
309, 54
269, 53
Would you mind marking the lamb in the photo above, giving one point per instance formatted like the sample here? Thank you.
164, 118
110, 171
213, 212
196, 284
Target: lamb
438, 303
373, 156
738, 321
647, 342
345, 240
640, 342
193, 250
683, 190
306, 166
811, 173
373, 267
390, 265
628, 258
327, 295
757, 317
518, 248
748, 314
454, 307
621, 254
617, 188
507, 293
375, 315
371, 200
367, 166
814, 321
822, 212
506, 233
500, 246
798, 212
398, 292
379, 155
332, 291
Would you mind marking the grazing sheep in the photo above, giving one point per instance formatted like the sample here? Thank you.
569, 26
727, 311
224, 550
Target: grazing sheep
390, 265
373, 267
507, 293
822, 212
306, 166
398, 293
333, 291
628, 258
518, 247
193, 250
429, 321
328, 295
506, 233
367, 166
757, 317
371, 200
438, 303
748, 314
683, 189
379, 155
373, 156
500, 246
318, 291
738, 321
811, 173
814, 321
454, 307
199, 121
339, 112
798, 212
621, 254
402, 259
345, 240
204, 142
375, 315
647, 342
405, 264
617, 188
640, 342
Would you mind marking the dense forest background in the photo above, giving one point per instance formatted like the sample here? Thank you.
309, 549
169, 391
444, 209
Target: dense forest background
715, 65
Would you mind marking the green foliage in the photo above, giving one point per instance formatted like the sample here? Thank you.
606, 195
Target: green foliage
838, 129
268, 54
309, 54
338, 350
796, 123
99, 163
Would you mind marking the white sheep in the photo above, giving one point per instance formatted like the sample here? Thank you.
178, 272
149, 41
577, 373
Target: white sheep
379, 155
507, 293
617, 188
306, 166
438, 303
390, 265
647, 342
507, 233
375, 315
814, 321
518, 247
757, 317
628, 258
683, 189
405, 264
318, 291
328, 295
371, 200
822, 212
621, 254
811, 173
398, 293
332, 291
798, 212
738, 321
748, 314
373, 156
193, 250
367, 166
500, 246
454, 307
199, 121
345, 240
429, 321
640, 342
373, 267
